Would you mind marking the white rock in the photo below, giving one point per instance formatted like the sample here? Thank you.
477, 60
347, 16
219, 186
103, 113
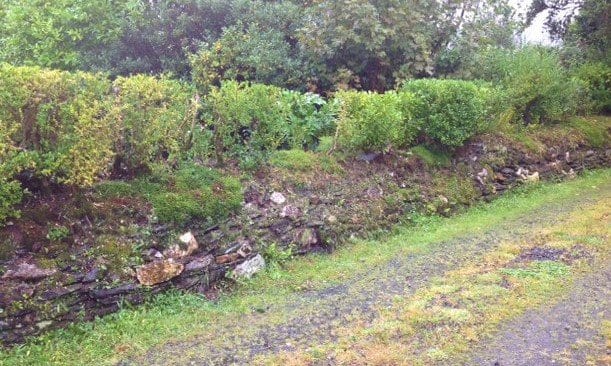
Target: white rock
277, 198
250, 267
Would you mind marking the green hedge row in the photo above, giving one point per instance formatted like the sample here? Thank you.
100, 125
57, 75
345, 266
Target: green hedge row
446, 112
75, 128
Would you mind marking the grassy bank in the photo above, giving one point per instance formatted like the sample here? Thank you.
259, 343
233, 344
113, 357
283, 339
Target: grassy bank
177, 316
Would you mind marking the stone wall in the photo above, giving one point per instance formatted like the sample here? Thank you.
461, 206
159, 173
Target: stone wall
310, 219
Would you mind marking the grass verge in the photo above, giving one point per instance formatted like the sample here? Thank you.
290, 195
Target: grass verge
178, 316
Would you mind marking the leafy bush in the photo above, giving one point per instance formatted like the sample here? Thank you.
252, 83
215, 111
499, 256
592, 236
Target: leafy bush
449, 111
597, 78
10, 195
534, 86
155, 116
247, 120
309, 118
370, 121
54, 124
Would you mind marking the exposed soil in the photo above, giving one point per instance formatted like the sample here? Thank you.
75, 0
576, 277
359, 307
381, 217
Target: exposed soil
312, 318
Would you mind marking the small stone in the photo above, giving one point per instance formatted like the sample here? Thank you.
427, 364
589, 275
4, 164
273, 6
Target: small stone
332, 219
227, 258
92, 275
44, 324
190, 241
532, 178
277, 198
199, 263
27, 272
157, 272
244, 250
291, 212
250, 267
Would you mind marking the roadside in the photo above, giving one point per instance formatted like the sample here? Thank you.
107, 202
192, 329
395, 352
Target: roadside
317, 306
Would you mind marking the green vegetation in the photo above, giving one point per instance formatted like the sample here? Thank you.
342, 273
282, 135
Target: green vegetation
597, 130
448, 111
374, 122
534, 87
173, 315
432, 157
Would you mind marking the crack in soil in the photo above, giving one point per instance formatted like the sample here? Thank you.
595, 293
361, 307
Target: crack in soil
311, 317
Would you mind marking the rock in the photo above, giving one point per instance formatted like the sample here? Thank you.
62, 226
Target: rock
157, 272
245, 249
44, 324
589, 153
331, 219
374, 192
291, 212
177, 252
306, 238
199, 263
91, 275
277, 198
27, 272
368, 157
443, 199
250, 267
483, 173
227, 258
532, 178
192, 245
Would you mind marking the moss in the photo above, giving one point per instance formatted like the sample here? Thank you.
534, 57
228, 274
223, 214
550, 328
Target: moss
295, 159
432, 157
596, 130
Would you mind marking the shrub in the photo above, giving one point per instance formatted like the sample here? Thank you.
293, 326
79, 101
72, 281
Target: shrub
534, 85
309, 117
246, 119
54, 124
449, 111
370, 121
155, 116
10, 195
597, 79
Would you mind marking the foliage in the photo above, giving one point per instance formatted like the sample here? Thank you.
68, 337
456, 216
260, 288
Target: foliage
597, 78
286, 43
449, 111
58, 233
54, 124
10, 195
373, 44
310, 116
582, 25
534, 85
155, 116
431, 156
375, 122
245, 119
253, 53
65, 34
